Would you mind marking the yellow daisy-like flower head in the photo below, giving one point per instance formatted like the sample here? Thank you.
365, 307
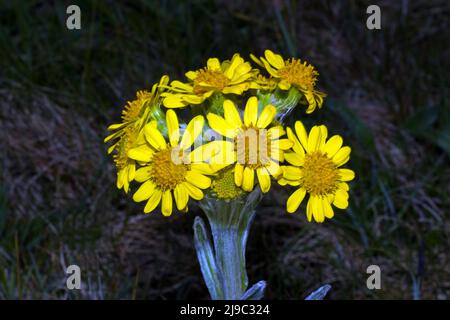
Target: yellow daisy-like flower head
127, 134
226, 77
169, 170
315, 170
293, 72
135, 112
253, 143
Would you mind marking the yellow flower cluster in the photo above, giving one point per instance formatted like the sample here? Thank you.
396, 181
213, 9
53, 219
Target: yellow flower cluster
235, 142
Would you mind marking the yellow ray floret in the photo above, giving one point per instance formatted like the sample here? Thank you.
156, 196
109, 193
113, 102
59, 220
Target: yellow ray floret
252, 143
167, 172
292, 72
228, 77
314, 168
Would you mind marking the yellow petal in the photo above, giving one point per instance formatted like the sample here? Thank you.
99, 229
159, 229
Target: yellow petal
238, 174
174, 101
181, 197
311, 101
180, 86
297, 146
256, 59
309, 209
163, 81
251, 112
283, 144
294, 158
143, 174
284, 85
205, 151
314, 139
323, 137
236, 89
198, 180
232, 114
318, 213
264, 179
193, 130
248, 179
194, 99
142, 153
191, 75
266, 117
173, 127
291, 173
274, 59
301, 134
273, 72
236, 60
274, 169
344, 186
144, 192
333, 145
342, 156
153, 201
346, 174
213, 64
154, 137
112, 148
131, 171
242, 72
203, 168
221, 126
115, 127
193, 192
328, 210
295, 200
166, 203
341, 199
276, 132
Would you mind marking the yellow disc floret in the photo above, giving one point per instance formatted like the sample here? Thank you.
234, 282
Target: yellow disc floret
320, 174
165, 174
298, 73
223, 186
207, 79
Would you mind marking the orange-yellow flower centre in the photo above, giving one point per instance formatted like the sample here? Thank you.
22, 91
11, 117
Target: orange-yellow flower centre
133, 109
299, 74
209, 79
319, 175
165, 173
253, 147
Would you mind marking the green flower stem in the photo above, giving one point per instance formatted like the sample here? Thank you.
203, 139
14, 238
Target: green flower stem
224, 269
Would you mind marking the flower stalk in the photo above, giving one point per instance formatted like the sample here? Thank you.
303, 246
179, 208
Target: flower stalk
224, 268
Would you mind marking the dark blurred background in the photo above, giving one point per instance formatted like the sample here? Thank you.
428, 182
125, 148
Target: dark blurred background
388, 95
